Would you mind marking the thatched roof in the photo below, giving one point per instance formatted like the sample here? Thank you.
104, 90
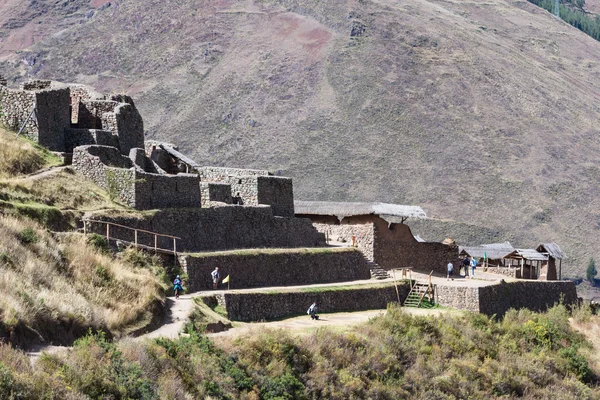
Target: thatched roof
552, 249
347, 209
528, 254
493, 251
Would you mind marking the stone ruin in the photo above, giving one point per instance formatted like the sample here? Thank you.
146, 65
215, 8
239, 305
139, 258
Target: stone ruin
63, 116
105, 136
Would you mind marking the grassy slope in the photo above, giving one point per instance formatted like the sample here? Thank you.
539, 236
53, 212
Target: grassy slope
480, 112
56, 286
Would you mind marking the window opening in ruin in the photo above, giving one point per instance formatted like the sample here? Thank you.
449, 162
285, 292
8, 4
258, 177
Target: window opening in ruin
239, 182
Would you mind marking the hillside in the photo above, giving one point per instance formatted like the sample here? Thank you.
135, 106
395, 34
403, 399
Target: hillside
57, 286
484, 113
393, 356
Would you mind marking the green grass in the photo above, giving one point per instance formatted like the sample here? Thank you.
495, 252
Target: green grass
255, 252
336, 288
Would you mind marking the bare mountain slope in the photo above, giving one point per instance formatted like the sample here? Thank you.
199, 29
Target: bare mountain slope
481, 112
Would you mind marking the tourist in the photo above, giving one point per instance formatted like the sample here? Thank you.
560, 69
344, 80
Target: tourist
473, 265
177, 287
215, 277
465, 265
450, 268
312, 311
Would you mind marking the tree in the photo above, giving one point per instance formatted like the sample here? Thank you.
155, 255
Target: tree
591, 271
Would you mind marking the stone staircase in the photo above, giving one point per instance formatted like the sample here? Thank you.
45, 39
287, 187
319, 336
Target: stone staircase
377, 272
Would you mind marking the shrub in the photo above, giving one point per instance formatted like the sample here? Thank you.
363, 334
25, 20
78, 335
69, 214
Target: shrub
282, 387
577, 364
591, 271
28, 235
99, 242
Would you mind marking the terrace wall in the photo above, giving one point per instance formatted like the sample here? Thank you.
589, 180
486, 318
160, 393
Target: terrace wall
267, 306
220, 228
263, 267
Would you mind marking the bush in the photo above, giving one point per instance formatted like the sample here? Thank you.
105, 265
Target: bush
577, 364
282, 387
99, 242
28, 236
591, 271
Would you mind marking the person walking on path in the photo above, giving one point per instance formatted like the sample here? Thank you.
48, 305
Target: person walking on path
312, 311
177, 287
215, 277
450, 268
465, 265
473, 265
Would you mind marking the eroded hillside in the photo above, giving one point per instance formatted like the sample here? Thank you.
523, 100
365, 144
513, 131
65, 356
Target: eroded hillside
483, 113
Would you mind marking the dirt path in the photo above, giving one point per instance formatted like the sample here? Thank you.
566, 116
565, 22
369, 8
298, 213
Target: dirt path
175, 318
304, 325
178, 311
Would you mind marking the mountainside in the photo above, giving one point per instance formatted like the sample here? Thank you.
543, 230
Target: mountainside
481, 112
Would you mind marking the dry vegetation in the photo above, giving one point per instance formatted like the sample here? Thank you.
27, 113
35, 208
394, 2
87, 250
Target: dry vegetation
396, 356
56, 198
56, 286
19, 156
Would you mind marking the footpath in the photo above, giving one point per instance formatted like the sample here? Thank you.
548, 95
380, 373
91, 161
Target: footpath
178, 311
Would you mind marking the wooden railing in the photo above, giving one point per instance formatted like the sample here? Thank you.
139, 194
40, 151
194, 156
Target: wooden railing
429, 291
135, 242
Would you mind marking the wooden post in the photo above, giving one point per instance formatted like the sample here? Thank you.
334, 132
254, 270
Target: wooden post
107, 231
84, 227
522, 269
175, 246
155, 243
560, 270
396, 285
135, 237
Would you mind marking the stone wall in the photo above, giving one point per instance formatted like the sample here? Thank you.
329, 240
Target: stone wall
278, 192
215, 193
82, 137
53, 117
81, 93
244, 189
37, 84
16, 105
396, 247
506, 271
129, 126
221, 228
117, 115
266, 306
535, 296
252, 187
2, 81
221, 174
389, 245
286, 267
459, 297
343, 233
117, 174
498, 299
154, 191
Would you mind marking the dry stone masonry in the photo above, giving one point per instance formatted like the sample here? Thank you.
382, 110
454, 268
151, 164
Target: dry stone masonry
52, 114
216, 208
259, 268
